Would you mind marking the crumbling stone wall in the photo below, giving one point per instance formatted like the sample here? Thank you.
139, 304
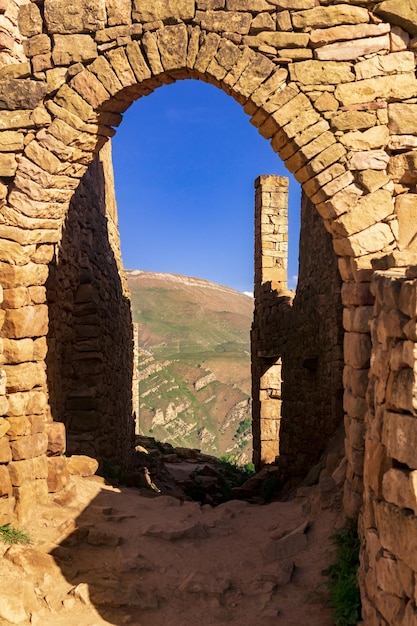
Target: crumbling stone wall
90, 340
331, 84
297, 337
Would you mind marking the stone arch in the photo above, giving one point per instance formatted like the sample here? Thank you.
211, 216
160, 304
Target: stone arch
332, 86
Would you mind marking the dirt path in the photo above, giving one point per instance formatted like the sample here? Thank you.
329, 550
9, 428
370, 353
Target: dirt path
117, 557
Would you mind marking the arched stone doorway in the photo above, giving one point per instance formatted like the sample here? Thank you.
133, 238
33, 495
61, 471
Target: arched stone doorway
332, 87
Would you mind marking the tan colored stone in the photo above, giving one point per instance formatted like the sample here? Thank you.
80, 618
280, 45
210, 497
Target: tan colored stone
29, 321
18, 426
406, 210
22, 472
172, 43
402, 168
11, 141
284, 40
319, 72
56, 438
399, 39
297, 5
58, 475
347, 33
121, 66
402, 118
376, 137
18, 351
284, 20
371, 180
224, 21
372, 239
8, 164
353, 120
351, 50
6, 511
152, 52
72, 102
162, 10
323, 17
5, 451
118, 12
90, 88
81, 16
261, 23
14, 120
369, 159
28, 496
25, 376
80, 465
357, 350
402, 14
73, 49
27, 403
385, 64
29, 446
397, 488
4, 427
30, 20
37, 45
137, 61
370, 209
5, 484
388, 87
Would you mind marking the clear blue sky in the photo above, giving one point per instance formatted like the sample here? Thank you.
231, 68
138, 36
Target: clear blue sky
185, 161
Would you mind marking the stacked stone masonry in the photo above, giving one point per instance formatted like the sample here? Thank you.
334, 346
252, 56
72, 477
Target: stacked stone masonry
332, 86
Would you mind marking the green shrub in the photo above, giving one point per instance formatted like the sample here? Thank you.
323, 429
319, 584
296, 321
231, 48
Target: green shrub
342, 577
11, 535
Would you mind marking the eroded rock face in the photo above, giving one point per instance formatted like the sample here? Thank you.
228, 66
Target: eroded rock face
309, 75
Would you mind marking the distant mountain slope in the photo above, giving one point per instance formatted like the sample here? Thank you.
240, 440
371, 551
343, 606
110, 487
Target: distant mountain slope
194, 362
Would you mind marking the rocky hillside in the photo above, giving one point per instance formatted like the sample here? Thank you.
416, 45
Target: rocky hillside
194, 362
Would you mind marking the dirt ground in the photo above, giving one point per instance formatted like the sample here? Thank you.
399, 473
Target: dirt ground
117, 556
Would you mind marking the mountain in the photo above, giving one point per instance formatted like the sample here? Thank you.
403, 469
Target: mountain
193, 362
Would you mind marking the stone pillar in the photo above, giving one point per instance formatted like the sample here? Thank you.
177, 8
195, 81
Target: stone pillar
271, 251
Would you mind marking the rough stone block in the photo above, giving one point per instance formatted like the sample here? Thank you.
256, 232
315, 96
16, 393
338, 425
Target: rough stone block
17, 351
58, 474
397, 488
18, 426
357, 350
29, 447
82, 465
56, 438
30, 20
5, 483
77, 17
142, 11
5, 451
22, 472
402, 14
25, 376
28, 496
172, 43
399, 435
323, 17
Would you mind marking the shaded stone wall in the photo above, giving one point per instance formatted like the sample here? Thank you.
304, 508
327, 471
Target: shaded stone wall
388, 426
90, 339
297, 338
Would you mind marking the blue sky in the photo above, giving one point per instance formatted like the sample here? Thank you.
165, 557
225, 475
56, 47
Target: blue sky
185, 161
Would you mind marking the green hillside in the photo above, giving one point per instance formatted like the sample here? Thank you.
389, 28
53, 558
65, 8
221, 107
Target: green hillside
194, 362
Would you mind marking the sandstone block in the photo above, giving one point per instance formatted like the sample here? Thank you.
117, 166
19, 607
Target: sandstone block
118, 12
5, 484
399, 435
5, 451
225, 21
334, 34
162, 10
28, 496
386, 64
283, 40
56, 438
39, 44
25, 376
353, 120
22, 472
90, 88
137, 61
80, 465
355, 380
403, 167
261, 23
18, 427
402, 14
104, 71
357, 350
376, 137
323, 17
80, 16
255, 73
397, 532
400, 391
397, 87
152, 52
205, 5
17, 93
372, 239
30, 20
28, 321
397, 488
27, 403
8, 164
6, 510
369, 210
121, 66
297, 5
29, 446
172, 43
399, 39
11, 141
351, 50
10, 120
406, 211
402, 118
73, 49
58, 475
4, 426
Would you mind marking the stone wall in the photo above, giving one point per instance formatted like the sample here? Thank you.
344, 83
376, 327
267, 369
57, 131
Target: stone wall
388, 522
297, 338
90, 338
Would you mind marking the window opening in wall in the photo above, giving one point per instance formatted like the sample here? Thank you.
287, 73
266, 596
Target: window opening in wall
185, 161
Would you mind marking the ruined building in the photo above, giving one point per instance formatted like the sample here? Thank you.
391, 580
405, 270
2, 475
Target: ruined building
332, 86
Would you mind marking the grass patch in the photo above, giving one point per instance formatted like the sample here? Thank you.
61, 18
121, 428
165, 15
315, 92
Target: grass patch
342, 577
11, 535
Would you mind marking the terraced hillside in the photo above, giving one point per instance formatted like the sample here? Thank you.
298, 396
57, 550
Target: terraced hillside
194, 362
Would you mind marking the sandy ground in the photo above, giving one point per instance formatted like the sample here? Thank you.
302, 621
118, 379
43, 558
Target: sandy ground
114, 556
